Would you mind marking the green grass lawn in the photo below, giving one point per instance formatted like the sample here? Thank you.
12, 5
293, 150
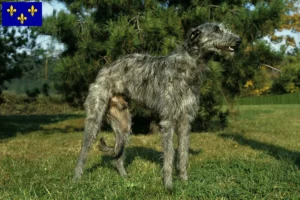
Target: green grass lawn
256, 157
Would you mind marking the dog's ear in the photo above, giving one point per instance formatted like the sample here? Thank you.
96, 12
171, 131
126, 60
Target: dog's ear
194, 34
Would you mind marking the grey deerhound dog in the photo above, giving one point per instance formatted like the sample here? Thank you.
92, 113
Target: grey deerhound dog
168, 85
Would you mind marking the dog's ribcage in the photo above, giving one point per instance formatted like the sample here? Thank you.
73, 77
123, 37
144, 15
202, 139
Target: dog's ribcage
168, 85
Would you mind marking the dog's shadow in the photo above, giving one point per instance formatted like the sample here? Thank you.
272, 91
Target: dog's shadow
131, 153
277, 152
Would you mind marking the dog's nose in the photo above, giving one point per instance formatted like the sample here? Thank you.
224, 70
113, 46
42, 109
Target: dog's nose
238, 41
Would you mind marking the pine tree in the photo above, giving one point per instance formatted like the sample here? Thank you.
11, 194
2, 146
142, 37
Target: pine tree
15, 43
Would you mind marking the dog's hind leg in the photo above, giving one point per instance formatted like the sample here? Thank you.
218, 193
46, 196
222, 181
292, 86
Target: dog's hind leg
96, 106
183, 130
120, 120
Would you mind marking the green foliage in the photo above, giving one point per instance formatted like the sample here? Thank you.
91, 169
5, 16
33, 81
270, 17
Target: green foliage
74, 78
210, 114
246, 66
289, 81
33, 103
9, 57
19, 53
45, 89
33, 93
38, 75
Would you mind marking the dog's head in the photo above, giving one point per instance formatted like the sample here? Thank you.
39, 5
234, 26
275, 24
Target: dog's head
212, 37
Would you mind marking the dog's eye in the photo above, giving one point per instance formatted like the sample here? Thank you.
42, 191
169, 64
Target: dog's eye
195, 34
217, 29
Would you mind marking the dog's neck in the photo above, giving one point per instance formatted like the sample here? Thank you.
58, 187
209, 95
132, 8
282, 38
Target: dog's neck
198, 54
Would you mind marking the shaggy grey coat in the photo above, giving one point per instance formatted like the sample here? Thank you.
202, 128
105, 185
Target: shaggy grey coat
168, 85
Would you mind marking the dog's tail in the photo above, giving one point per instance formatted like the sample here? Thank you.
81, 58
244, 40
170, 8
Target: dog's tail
121, 136
116, 151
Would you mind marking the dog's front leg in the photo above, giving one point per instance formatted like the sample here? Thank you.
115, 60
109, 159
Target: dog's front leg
183, 132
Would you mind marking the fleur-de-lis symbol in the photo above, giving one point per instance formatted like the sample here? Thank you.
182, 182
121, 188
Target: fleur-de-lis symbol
22, 18
11, 10
32, 10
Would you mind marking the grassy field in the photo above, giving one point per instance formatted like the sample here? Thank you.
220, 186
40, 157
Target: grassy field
256, 157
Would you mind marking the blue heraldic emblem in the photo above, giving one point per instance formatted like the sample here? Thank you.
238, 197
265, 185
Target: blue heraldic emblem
22, 14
